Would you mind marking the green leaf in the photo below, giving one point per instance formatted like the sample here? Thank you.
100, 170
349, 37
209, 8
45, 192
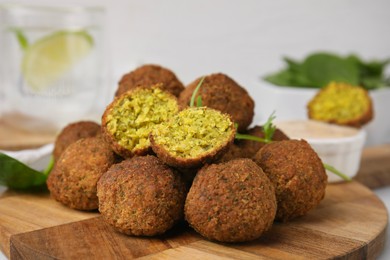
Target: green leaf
15, 174
293, 65
281, 78
320, 68
293, 75
372, 73
22, 39
323, 68
49, 167
372, 82
268, 128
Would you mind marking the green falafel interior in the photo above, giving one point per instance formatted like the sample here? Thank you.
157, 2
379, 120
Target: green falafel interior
194, 131
136, 112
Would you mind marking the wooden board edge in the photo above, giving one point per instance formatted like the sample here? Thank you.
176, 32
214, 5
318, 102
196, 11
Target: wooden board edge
375, 248
17, 248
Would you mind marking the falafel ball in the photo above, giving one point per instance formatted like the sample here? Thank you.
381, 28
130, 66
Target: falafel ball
149, 75
73, 132
231, 202
222, 93
193, 137
128, 120
297, 173
74, 177
141, 196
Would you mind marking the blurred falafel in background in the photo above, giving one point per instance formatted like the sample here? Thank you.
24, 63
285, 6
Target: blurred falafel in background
342, 104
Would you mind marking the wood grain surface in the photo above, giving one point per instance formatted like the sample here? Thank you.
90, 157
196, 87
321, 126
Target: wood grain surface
23, 212
12, 138
349, 223
374, 169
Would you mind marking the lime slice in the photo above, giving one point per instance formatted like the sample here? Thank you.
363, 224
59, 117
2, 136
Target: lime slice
49, 58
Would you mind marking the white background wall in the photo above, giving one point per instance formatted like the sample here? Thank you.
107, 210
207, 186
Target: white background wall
244, 39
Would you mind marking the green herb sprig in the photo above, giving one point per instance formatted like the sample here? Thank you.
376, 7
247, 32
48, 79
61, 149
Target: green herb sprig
16, 175
336, 172
199, 99
268, 129
320, 68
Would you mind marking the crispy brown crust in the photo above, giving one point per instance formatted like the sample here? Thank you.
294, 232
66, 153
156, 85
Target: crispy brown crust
149, 75
233, 152
179, 162
122, 151
231, 202
141, 196
74, 177
222, 93
73, 132
297, 173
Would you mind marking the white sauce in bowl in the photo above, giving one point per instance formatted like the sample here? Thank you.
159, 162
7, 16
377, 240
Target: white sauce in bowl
310, 129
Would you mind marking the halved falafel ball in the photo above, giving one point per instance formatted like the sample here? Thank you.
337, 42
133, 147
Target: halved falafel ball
141, 196
193, 137
73, 132
222, 93
149, 75
341, 104
297, 173
74, 177
231, 202
128, 120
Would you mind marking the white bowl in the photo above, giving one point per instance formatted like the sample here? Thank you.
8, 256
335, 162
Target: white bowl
338, 146
289, 103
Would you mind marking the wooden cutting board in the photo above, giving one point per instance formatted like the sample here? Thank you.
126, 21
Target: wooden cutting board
350, 223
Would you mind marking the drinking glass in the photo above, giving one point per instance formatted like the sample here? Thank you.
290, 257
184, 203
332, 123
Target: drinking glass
52, 65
